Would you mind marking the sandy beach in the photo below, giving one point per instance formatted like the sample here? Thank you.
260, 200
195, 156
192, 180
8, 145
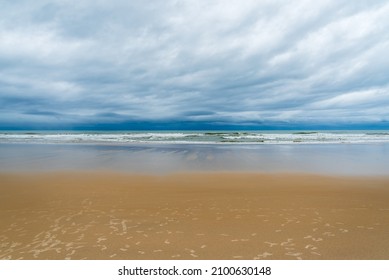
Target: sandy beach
106, 215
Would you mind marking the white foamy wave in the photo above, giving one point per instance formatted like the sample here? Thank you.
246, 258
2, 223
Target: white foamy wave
268, 137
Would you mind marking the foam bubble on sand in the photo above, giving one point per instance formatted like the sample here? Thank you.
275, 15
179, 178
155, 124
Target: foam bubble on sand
271, 244
311, 247
294, 254
262, 256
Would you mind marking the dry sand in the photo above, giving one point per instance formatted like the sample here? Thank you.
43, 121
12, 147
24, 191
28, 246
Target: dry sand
192, 216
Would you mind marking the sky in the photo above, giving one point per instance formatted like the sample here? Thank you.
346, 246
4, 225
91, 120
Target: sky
118, 64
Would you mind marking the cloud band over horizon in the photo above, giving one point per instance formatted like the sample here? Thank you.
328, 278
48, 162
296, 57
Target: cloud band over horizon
69, 64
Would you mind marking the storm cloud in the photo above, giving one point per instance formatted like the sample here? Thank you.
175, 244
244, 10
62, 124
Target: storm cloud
71, 63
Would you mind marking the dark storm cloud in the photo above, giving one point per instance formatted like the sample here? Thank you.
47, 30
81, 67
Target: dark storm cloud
194, 61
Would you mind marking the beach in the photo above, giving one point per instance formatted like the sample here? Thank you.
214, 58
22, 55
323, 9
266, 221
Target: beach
192, 215
163, 200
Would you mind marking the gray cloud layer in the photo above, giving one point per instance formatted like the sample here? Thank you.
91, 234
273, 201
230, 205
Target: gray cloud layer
213, 61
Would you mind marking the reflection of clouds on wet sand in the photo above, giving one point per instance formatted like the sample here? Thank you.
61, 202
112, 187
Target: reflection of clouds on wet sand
241, 221
352, 159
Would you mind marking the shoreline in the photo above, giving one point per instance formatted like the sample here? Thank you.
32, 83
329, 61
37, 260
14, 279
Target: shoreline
193, 215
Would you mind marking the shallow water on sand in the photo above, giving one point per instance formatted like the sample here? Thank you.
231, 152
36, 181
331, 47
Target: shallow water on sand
337, 159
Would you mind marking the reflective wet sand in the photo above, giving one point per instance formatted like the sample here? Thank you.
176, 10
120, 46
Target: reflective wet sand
333, 159
81, 215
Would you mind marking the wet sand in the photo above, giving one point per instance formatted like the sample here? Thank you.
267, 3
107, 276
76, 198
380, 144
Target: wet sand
90, 215
160, 159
